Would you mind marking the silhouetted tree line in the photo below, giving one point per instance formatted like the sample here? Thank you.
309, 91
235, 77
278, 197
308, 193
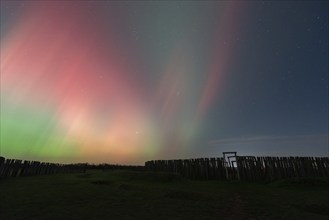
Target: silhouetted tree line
106, 166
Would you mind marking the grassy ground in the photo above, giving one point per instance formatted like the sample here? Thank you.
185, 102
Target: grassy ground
145, 195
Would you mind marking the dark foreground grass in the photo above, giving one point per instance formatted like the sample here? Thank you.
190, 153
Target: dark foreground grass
146, 195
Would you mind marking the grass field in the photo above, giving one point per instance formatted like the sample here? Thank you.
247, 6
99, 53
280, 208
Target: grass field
146, 195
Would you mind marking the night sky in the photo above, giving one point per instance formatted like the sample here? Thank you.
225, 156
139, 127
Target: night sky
126, 82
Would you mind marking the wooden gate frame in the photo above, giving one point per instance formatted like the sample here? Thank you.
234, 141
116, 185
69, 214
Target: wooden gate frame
229, 164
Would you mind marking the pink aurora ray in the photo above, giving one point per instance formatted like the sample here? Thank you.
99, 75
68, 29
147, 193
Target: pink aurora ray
58, 59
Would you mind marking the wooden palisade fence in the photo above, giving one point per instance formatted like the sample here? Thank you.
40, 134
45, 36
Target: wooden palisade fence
246, 168
273, 168
14, 168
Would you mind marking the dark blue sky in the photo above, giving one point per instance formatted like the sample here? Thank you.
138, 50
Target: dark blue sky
278, 85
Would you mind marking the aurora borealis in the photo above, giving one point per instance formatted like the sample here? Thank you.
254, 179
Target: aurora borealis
126, 82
